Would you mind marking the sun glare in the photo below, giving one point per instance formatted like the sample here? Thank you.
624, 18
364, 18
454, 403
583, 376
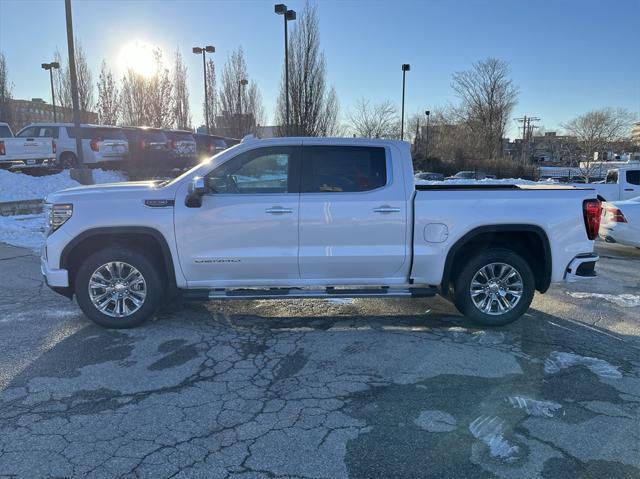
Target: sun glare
139, 57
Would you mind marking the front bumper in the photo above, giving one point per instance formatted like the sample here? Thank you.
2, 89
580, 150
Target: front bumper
58, 278
581, 267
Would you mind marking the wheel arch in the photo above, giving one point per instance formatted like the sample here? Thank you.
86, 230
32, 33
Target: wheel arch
149, 240
526, 240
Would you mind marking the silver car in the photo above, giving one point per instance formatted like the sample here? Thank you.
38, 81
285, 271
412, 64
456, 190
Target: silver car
100, 144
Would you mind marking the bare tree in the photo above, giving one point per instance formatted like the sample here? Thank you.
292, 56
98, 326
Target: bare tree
595, 131
181, 113
108, 97
160, 95
5, 90
374, 121
62, 83
488, 97
210, 104
313, 108
134, 99
240, 102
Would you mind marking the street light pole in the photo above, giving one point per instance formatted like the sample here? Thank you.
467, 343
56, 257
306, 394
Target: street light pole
85, 175
50, 67
281, 9
405, 68
204, 51
241, 84
426, 155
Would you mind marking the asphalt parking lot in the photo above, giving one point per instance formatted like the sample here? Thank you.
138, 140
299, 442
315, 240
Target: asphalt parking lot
315, 389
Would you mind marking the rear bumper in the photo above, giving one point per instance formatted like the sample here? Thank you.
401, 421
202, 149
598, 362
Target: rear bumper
27, 164
581, 267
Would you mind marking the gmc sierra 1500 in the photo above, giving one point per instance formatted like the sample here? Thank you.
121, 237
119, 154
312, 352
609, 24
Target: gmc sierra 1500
319, 218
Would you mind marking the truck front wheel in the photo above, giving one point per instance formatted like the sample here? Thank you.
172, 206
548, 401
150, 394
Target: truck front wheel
494, 288
118, 287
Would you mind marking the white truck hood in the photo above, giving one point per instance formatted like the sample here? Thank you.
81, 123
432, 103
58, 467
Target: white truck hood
109, 191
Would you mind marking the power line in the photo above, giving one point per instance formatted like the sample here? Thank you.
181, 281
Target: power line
527, 133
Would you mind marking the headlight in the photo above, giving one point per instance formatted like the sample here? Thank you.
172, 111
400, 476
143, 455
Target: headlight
57, 215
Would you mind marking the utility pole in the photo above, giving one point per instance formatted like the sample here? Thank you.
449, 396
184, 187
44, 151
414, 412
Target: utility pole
405, 68
84, 175
527, 134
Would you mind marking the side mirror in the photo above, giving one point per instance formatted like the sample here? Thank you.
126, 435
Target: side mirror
196, 190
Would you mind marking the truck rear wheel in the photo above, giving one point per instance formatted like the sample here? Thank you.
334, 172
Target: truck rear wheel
494, 288
118, 287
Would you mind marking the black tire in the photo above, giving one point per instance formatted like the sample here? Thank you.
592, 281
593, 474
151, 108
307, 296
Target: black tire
68, 161
155, 287
462, 285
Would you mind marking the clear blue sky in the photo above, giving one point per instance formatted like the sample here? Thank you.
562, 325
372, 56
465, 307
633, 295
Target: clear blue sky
567, 56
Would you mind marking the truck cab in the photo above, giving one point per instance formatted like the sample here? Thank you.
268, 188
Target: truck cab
621, 183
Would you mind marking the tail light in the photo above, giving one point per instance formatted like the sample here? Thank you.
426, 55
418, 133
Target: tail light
171, 144
211, 148
53, 145
592, 210
615, 215
143, 144
94, 144
3, 151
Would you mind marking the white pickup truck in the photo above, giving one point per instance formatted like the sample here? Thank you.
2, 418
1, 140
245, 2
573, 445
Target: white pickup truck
314, 218
622, 183
25, 153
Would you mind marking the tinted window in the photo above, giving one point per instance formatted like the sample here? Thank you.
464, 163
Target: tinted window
335, 169
265, 170
612, 177
28, 132
103, 133
154, 136
179, 136
5, 131
633, 177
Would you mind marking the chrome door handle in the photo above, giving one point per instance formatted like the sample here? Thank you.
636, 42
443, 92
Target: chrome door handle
386, 209
278, 210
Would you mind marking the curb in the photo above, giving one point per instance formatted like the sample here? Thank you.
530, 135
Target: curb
22, 207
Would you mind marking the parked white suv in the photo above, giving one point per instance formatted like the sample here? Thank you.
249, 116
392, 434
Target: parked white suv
319, 218
100, 144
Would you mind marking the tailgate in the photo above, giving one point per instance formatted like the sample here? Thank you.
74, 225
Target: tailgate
27, 148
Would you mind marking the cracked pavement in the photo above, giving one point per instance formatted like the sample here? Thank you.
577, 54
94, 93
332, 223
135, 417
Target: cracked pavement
319, 389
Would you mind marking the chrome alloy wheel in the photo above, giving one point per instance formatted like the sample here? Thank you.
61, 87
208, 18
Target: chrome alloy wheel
496, 288
117, 289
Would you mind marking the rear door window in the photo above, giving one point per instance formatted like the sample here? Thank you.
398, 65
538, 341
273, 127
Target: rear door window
48, 132
343, 169
633, 177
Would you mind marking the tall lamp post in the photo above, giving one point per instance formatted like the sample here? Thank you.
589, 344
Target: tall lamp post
203, 51
241, 84
51, 66
426, 155
281, 9
405, 68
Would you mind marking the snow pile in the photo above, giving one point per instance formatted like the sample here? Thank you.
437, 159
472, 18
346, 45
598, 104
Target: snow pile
490, 430
626, 300
18, 186
558, 361
26, 231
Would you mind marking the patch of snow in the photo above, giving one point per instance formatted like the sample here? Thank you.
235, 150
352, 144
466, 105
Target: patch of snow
558, 361
626, 300
534, 407
18, 186
490, 430
26, 231
340, 300
486, 181
435, 421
